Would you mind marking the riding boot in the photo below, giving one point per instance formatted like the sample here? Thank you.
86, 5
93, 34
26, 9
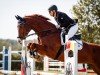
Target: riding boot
62, 38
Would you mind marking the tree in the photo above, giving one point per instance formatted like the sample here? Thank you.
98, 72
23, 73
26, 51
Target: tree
8, 42
88, 14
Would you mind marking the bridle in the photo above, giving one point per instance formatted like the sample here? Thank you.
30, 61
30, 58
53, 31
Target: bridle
43, 31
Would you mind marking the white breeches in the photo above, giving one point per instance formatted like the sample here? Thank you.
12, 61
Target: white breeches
72, 31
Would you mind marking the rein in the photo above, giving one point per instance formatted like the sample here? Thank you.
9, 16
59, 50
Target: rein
41, 32
31, 34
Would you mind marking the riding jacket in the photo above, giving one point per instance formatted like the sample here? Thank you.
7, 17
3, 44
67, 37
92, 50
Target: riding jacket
64, 20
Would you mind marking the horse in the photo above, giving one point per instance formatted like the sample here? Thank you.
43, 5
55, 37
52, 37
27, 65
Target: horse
49, 40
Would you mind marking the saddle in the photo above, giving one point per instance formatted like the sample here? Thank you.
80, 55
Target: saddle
70, 54
76, 37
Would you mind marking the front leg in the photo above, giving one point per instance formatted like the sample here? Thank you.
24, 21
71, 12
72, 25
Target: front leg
41, 49
33, 53
35, 49
31, 46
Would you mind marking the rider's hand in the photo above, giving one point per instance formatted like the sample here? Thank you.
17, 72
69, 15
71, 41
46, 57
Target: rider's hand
63, 30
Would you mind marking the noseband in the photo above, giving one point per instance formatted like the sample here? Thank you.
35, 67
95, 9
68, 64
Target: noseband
21, 37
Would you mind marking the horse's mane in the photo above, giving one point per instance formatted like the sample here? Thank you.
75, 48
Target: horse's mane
37, 16
42, 19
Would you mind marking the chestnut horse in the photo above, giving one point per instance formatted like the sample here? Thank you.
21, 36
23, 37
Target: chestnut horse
49, 40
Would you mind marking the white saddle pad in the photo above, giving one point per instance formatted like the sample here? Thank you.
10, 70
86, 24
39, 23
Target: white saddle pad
80, 44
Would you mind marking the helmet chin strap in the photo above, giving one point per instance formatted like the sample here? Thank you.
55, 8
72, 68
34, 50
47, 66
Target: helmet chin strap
54, 14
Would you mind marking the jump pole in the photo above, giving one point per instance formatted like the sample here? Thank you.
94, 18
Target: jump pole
27, 63
71, 58
25, 69
23, 60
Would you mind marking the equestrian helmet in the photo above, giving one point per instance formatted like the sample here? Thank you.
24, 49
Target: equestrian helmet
53, 7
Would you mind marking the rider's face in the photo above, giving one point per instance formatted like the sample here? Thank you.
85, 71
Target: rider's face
52, 13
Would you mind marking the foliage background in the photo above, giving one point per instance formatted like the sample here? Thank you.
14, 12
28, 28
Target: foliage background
88, 14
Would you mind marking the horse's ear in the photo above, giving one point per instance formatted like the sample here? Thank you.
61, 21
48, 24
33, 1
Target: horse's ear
16, 17
20, 19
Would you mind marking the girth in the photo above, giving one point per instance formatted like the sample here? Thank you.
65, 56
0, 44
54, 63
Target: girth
59, 52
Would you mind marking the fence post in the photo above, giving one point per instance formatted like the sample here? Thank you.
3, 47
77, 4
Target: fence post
6, 58
71, 58
46, 63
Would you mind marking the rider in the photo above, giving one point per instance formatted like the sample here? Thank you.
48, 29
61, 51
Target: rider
65, 23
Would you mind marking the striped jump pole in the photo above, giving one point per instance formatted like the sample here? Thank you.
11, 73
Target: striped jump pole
27, 63
71, 58
23, 60
25, 68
